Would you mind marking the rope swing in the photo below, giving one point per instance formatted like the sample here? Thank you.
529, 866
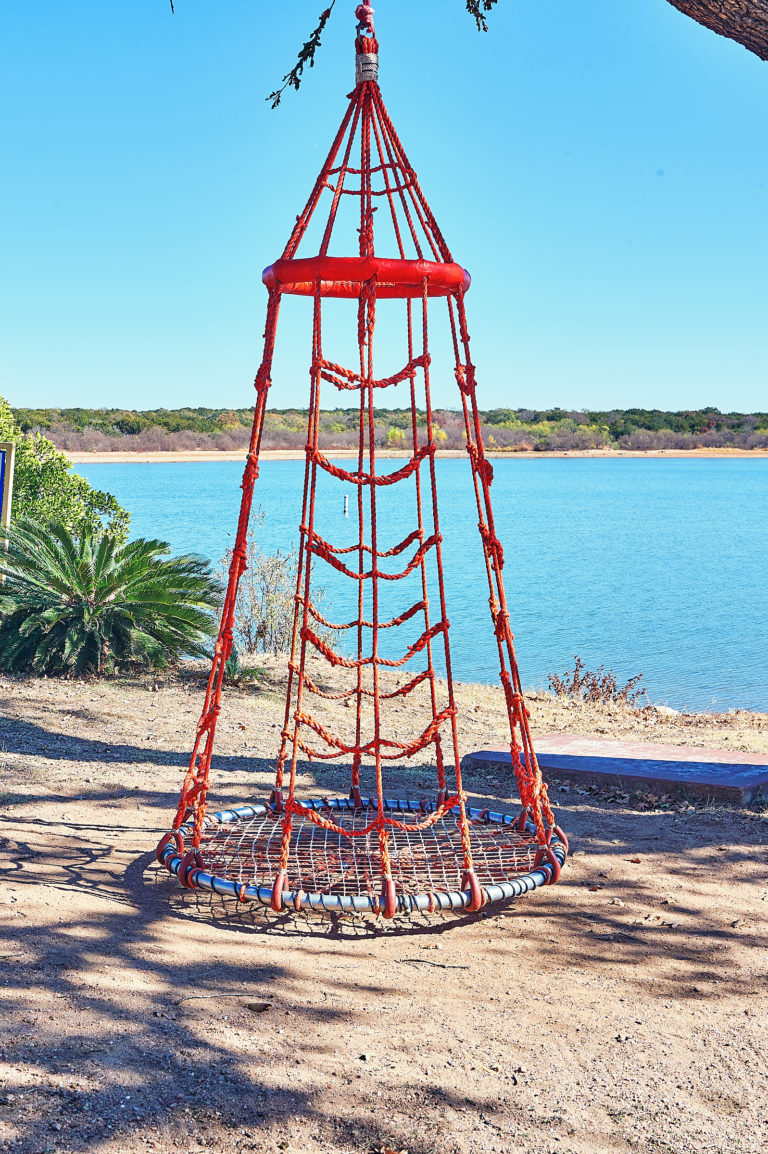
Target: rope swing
370, 852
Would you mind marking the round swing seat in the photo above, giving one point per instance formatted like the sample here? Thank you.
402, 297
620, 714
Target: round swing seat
239, 853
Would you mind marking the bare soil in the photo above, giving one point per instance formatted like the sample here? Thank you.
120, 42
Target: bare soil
622, 1010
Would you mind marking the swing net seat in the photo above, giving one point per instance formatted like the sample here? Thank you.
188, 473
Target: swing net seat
340, 872
369, 851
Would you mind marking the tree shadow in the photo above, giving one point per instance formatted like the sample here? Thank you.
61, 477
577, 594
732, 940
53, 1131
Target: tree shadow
141, 1010
109, 1035
26, 737
671, 890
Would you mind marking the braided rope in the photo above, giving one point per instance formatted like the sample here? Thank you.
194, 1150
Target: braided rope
367, 123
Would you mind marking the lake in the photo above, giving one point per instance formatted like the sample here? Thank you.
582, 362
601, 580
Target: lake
652, 566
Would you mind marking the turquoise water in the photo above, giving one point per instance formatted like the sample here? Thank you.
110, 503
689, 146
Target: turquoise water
653, 566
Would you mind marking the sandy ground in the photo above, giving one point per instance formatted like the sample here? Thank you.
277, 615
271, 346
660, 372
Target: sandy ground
119, 458
622, 1010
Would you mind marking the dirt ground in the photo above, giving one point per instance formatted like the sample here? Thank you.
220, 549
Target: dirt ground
622, 1010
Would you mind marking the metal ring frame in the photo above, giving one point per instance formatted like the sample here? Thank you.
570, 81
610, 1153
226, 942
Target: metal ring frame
516, 886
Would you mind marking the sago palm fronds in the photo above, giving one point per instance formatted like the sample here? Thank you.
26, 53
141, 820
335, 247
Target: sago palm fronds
86, 604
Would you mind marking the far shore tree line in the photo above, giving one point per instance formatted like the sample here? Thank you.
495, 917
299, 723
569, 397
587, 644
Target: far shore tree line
513, 430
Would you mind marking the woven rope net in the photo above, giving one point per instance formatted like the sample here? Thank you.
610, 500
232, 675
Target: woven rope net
369, 851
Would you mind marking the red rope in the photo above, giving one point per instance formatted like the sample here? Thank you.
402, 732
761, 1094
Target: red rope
367, 125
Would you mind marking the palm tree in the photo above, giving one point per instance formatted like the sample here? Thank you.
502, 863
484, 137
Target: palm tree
84, 603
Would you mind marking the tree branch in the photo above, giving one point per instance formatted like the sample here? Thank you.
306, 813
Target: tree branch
478, 8
745, 21
293, 78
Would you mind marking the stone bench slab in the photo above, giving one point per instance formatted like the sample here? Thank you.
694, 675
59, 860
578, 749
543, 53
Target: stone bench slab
720, 774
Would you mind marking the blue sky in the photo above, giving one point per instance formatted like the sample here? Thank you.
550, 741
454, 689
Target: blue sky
600, 167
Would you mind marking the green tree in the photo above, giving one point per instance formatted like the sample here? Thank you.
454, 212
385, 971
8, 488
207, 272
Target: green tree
130, 423
89, 604
46, 488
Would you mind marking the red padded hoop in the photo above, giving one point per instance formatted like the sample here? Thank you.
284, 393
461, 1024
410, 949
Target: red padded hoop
344, 276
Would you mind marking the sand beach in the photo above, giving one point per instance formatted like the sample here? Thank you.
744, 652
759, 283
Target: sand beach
384, 454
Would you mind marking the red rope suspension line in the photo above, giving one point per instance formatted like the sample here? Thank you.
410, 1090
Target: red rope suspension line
293, 668
360, 691
469, 876
368, 316
386, 168
400, 187
342, 176
357, 172
195, 787
302, 223
428, 222
344, 662
336, 659
424, 358
302, 603
365, 248
402, 163
533, 790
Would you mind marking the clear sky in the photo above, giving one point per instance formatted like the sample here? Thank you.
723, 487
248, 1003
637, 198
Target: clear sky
600, 167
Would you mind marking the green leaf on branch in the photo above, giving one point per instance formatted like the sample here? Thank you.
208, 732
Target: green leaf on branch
307, 54
477, 9
46, 488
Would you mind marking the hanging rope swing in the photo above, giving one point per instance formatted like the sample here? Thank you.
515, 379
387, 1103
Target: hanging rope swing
369, 852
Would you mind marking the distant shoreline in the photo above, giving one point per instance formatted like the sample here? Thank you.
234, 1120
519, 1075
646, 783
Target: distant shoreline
190, 457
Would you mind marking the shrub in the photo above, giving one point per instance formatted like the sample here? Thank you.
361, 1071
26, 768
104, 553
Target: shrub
264, 610
580, 684
235, 673
89, 604
266, 599
46, 489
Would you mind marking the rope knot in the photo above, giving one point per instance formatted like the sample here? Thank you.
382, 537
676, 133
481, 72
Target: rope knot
502, 625
364, 14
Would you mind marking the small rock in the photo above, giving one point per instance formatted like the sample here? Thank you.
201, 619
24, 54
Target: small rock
615, 902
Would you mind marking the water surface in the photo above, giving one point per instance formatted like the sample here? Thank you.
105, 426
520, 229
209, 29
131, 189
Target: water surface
646, 565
